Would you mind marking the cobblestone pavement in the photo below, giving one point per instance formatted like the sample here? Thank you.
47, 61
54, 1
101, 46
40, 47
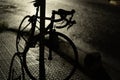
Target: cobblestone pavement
55, 69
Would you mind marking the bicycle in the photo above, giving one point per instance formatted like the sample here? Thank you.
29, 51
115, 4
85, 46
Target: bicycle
27, 43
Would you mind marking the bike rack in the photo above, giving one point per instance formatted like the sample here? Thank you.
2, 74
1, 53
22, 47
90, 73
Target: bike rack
42, 6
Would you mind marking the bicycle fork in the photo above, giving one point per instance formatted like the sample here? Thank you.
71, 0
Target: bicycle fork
53, 43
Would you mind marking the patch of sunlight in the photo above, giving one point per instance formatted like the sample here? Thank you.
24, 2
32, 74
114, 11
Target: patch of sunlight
114, 2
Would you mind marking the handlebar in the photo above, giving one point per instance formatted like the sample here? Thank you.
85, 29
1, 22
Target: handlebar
63, 17
63, 12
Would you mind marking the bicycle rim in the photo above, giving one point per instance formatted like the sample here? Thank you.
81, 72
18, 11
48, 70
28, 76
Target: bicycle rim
56, 69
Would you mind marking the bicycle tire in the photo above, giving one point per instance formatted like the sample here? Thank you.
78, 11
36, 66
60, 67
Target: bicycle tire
75, 54
24, 33
16, 71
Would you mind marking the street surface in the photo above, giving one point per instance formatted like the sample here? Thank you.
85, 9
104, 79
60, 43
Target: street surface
97, 29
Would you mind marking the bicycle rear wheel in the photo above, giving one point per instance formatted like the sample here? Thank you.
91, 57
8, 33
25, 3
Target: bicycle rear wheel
16, 71
25, 32
59, 67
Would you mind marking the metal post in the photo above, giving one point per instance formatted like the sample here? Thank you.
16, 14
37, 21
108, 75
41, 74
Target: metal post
42, 31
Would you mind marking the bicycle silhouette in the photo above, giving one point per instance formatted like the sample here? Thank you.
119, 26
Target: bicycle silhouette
26, 62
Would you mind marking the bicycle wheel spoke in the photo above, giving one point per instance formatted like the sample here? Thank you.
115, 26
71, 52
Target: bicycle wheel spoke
23, 37
25, 27
37, 27
38, 21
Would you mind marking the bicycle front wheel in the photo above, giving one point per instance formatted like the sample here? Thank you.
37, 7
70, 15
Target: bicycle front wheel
59, 68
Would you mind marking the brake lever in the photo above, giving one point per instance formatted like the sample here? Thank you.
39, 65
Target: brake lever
71, 24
